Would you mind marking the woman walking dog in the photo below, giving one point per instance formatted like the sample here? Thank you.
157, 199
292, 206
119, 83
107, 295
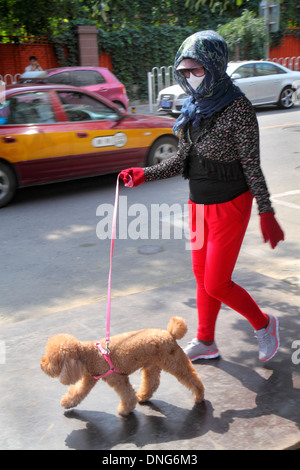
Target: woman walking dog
218, 153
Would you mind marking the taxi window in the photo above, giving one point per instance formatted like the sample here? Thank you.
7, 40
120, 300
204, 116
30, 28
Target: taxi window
28, 108
81, 107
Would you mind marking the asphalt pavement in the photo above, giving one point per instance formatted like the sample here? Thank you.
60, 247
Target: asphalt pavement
249, 405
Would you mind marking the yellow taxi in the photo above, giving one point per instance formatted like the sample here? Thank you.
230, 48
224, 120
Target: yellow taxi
54, 133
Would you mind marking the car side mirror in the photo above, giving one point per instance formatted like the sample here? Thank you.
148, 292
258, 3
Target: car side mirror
235, 76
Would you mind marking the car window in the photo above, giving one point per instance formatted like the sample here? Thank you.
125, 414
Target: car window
268, 69
245, 71
81, 107
61, 78
86, 78
27, 108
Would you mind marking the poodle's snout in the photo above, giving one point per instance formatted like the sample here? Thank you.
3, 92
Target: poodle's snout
45, 363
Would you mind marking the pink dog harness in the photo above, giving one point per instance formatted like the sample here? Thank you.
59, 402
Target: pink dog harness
106, 355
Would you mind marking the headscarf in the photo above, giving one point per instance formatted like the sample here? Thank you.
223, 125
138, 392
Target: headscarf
216, 90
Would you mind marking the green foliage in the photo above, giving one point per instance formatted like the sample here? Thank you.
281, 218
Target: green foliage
224, 5
65, 40
138, 35
245, 36
135, 52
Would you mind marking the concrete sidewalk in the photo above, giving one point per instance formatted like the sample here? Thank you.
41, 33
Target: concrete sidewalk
248, 404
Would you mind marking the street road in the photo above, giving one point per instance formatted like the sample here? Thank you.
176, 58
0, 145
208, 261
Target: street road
52, 259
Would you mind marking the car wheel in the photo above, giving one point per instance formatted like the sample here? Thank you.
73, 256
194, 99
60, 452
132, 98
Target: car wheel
286, 98
8, 184
162, 149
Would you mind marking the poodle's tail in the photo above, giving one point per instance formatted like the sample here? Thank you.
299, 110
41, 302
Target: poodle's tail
177, 327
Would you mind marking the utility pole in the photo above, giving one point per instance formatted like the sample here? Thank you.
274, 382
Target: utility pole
270, 11
267, 28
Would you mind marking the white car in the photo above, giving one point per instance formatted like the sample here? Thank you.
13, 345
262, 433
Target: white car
262, 82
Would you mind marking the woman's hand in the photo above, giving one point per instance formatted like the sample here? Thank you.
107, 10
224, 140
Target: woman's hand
270, 228
132, 176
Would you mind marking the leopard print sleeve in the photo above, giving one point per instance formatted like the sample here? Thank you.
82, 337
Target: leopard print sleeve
246, 138
171, 167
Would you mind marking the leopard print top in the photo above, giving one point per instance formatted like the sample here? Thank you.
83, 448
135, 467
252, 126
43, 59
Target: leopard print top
232, 135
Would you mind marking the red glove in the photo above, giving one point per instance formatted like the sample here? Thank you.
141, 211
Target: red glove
270, 229
133, 176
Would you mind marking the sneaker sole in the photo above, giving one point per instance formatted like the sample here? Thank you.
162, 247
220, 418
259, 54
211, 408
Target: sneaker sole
205, 356
277, 339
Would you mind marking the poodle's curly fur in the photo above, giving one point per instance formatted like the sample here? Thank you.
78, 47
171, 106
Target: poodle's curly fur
77, 363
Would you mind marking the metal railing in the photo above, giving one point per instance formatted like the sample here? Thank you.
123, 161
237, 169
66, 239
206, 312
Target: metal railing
158, 78
292, 63
10, 79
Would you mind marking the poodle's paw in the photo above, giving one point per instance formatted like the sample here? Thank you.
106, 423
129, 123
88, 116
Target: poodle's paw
68, 402
124, 409
199, 397
143, 397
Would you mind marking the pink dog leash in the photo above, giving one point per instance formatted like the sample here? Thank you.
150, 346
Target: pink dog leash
106, 352
113, 236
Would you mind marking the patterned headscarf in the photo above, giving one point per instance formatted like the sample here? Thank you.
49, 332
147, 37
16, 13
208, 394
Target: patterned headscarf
216, 90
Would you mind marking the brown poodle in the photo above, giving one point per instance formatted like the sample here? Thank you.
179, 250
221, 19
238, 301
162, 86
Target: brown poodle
80, 363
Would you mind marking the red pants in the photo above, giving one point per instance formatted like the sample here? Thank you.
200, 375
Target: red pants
224, 229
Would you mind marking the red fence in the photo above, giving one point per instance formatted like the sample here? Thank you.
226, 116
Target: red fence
15, 57
289, 46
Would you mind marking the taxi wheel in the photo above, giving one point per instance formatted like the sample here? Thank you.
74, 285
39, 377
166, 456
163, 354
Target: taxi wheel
8, 184
162, 149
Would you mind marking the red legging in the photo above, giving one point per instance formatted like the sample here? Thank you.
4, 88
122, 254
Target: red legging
224, 228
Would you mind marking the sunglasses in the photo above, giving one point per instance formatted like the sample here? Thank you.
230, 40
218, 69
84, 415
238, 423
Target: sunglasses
196, 72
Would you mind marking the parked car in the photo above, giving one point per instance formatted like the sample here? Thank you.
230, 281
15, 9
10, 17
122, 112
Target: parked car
171, 99
98, 80
262, 82
53, 133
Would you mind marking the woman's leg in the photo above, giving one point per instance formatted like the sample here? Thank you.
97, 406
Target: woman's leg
207, 306
224, 229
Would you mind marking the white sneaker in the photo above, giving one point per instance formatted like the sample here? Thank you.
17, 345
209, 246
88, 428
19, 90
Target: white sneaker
268, 339
198, 350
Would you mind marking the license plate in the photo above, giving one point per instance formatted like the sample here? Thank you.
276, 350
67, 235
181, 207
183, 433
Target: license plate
166, 104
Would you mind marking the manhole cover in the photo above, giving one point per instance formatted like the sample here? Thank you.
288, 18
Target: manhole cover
149, 249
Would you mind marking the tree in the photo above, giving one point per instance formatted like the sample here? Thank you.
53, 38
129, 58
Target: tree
245, 37
38, 17
223, 5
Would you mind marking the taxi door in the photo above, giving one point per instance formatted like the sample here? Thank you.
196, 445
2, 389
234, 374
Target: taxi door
32, 140
100, 139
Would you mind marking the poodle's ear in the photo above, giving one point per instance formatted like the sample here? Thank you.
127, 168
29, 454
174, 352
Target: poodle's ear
50, 368
71, 371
